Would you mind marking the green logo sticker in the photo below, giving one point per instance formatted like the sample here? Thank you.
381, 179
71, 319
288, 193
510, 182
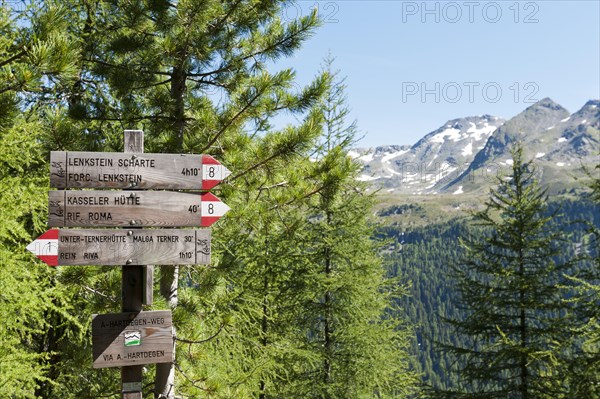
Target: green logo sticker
133, 338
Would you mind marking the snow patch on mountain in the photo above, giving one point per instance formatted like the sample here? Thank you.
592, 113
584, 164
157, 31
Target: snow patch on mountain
452, 134
485, 130
387, 158
353, 154
468, 150
367, 157
364, 177
459, 191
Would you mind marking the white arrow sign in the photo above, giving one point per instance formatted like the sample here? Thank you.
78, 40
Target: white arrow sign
45, 247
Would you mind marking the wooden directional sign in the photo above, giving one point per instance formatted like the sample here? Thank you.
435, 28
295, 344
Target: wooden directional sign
134, 170
123, 247
82, 208
132, 338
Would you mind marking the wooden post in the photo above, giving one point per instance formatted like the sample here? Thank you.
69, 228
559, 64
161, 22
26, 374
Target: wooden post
136, 287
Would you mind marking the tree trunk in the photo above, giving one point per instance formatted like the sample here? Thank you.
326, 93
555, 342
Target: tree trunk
164, 382
178, 88
264, 326
327, 339
524, 372
132, 285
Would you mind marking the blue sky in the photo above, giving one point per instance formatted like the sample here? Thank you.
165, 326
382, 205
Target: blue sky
412, 65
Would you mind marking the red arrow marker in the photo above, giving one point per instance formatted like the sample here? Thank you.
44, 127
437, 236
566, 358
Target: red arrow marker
45, 247
212, 209
212, 172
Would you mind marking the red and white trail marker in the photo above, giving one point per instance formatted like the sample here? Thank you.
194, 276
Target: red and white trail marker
45, 247
213, 172
108, 208
212, 209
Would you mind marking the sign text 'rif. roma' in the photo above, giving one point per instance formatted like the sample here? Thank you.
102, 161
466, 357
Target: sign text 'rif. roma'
83, 208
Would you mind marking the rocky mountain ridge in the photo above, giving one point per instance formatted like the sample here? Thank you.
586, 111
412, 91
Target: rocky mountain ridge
466, 154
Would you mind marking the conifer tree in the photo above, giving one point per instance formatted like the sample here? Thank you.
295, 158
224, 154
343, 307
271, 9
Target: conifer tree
509, 288
356, 349
35, 60
193, 75
584, 366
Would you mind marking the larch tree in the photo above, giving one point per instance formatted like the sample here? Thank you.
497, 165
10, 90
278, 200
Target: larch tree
509, 288
357, 349
36, 57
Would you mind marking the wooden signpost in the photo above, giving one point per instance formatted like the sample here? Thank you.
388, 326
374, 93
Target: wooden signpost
135, 170
69, 247
132, 338
137, 284
133, 208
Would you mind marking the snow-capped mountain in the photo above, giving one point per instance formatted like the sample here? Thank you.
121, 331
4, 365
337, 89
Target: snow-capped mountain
418, 168
465, 154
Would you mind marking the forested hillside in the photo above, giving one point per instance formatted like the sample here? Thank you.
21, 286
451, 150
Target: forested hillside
423, 255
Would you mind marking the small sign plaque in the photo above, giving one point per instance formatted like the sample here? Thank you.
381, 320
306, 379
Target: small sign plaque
132, 387
127, 339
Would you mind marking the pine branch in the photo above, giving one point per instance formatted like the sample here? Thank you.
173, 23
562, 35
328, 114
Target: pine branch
15, 57
125, 67
220, 23
152, 85
265, 50
232, 120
